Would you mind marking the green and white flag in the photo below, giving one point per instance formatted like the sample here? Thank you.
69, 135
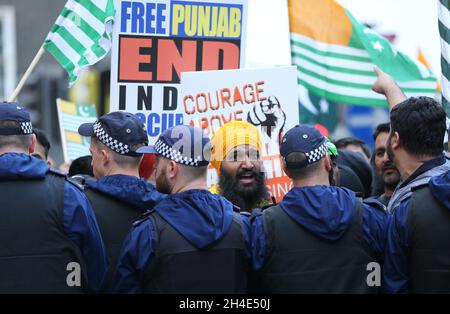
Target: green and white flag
444, 30
335, 55
81, 36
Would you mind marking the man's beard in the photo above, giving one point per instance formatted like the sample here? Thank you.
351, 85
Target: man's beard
389, 150
162, 184
390, 181
246, 197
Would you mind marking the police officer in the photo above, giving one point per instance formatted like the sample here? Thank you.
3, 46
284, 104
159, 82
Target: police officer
49, 238
320, 238
118, 196
191, 242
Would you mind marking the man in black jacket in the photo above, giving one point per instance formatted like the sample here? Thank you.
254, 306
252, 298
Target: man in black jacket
49, 238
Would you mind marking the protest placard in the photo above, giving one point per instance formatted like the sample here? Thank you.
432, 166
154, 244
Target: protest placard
154, 41
71, 116
267, 98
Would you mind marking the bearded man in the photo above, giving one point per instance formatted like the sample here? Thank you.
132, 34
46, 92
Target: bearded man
236, 150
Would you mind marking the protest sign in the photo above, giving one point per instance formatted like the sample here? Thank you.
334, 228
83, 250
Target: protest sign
154, 41
71, 116
267, 98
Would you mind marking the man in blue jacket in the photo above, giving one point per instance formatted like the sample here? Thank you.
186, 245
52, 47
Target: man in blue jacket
416, 146
320, 238
193, 241
118, 196
417, 252
49, 238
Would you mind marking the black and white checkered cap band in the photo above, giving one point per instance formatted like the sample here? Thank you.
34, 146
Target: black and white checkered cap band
111, 143
317, 154
166, 151
26, 127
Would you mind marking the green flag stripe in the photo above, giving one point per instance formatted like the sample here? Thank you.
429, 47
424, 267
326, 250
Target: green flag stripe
79, 37
443, 14
109, 10
329, 80
446, 105
329, 54
333, 81
444, 32
82, 24
86, 29
362, 87
87, 15
83, 61
445, 80
62, 59
339, 98
346, 99
74, 30
95, 11
327, 47
331, 61
299, 59
445, 68
445, 3
76, 44
361, 79
72, 41
333, 68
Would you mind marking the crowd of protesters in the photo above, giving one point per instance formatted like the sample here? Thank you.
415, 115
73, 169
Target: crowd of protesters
136, 218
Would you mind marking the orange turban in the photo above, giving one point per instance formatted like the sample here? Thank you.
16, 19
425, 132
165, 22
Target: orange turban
229, 136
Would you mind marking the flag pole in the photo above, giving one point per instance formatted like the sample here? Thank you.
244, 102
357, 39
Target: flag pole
27, 74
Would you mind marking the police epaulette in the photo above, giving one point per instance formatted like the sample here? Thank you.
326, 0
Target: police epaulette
143, 218
418, 187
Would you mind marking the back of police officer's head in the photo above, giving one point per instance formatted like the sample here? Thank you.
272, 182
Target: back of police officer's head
304, 153
183, 154
16, 132
115, 138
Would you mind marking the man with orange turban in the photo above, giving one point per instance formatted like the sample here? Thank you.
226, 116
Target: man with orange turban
236, 155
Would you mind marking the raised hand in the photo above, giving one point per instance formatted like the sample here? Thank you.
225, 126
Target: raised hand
386, 85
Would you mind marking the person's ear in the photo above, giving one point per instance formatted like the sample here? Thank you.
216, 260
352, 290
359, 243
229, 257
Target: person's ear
285, 169
172, 169
395, 140
105, 157
327, 163
32, 146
